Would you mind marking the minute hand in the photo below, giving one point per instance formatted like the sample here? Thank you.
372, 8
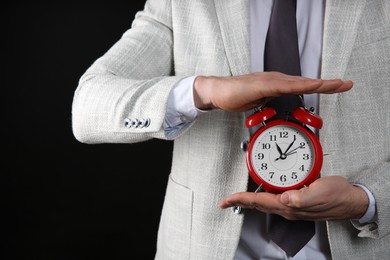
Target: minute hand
288, 148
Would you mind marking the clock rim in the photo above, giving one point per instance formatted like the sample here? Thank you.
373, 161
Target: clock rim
317, 161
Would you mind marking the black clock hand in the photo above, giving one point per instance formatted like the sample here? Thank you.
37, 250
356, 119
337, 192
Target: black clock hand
279, 150
288, 148
282, 155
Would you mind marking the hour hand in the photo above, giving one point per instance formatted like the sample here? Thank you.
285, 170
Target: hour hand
282, 155
279, 150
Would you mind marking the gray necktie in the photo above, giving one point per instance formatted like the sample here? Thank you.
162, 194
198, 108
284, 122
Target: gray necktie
282, 54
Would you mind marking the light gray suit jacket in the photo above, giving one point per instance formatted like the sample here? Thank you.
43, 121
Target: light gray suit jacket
172, 39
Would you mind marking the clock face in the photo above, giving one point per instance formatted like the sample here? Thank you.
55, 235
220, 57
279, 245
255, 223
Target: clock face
283, 156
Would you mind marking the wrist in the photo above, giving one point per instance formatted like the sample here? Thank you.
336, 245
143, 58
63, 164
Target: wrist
362, 201
202, 92
370, 214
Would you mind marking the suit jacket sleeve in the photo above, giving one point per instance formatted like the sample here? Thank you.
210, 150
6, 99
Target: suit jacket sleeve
129, 84
356, 135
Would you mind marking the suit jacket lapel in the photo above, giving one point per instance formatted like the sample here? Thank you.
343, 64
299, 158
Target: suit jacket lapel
341, 27
234, 21
340, 30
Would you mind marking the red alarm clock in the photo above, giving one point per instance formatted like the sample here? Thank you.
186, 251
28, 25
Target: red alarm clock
284, 154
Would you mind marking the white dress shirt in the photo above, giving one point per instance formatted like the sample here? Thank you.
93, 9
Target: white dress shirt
181, 110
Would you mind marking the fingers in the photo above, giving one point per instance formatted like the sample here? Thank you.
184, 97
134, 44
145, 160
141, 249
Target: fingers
310, 86
263, 201
281, 84
334, 86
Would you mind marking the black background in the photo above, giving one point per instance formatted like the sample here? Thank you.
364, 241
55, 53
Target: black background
61, 199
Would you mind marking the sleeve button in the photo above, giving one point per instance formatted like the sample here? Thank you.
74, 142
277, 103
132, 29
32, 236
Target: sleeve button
128, 123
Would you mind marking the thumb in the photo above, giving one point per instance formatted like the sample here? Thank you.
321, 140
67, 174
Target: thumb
294, 198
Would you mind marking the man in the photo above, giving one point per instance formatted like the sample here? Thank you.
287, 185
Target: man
134, 93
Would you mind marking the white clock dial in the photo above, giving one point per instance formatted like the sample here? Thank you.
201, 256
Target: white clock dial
282, 156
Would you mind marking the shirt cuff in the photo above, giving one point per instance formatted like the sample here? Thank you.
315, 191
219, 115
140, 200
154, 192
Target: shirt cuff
370, 215
181, 110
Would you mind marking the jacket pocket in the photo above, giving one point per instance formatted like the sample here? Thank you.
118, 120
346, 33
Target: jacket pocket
174, 233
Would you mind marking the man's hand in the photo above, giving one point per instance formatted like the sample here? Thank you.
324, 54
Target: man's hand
240, 93
328, 198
